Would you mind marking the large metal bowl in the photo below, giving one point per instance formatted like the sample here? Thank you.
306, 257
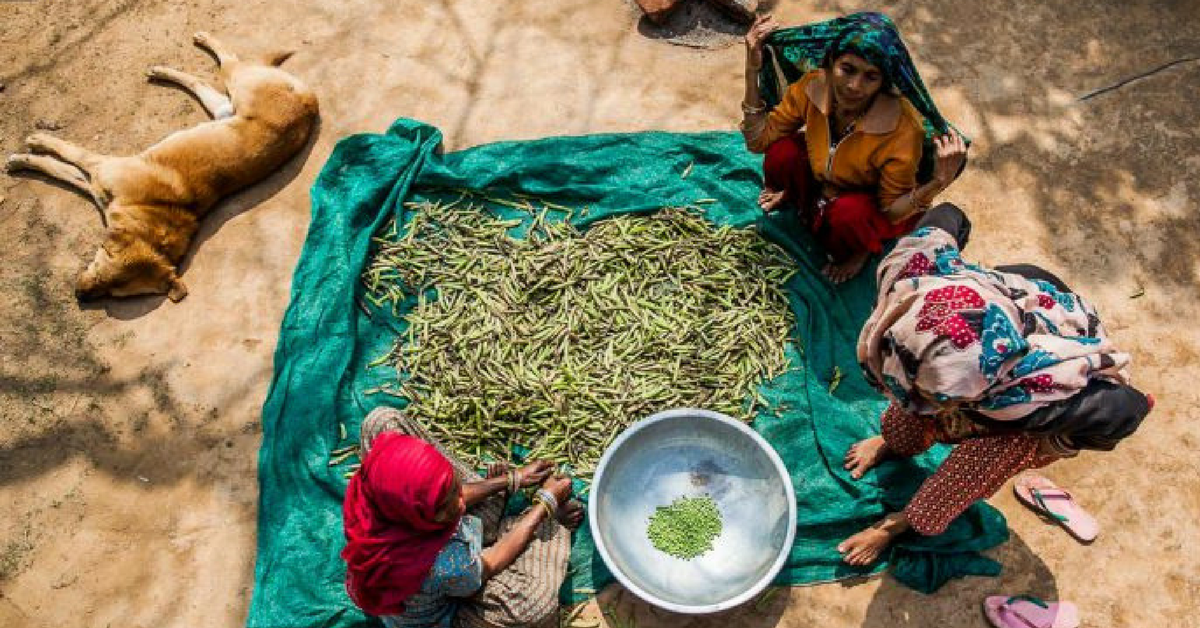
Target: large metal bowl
688, 453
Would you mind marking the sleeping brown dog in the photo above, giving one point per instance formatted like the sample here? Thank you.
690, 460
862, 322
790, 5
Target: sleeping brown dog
152, 203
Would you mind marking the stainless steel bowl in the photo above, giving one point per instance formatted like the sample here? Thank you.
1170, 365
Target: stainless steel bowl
688, 453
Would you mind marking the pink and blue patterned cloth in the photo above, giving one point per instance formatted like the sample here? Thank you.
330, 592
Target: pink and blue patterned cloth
945, 333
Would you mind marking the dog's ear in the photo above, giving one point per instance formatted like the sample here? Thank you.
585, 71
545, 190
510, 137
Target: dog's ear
277, 57
176, 290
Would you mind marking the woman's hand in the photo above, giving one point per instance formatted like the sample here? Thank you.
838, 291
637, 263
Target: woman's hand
504, 552
763, 26
951, 155
534, 473
559, 486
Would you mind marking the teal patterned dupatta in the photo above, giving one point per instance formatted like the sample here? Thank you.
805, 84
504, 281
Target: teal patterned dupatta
791, 53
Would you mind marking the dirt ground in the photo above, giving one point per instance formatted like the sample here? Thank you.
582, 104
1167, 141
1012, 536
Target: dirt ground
129, 430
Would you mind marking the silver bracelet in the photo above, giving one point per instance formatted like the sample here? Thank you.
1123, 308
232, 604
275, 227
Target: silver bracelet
549, 497
752, 110
538, 501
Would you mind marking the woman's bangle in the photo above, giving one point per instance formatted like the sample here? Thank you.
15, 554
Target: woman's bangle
549, 512
754, 110
513, 481
548, 497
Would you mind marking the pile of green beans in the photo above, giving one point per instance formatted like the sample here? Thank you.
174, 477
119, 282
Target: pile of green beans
687, 528
534, 333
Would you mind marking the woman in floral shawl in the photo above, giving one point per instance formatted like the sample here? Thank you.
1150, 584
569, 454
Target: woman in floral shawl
1008, 364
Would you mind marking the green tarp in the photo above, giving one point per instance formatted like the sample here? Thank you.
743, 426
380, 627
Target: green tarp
329, 336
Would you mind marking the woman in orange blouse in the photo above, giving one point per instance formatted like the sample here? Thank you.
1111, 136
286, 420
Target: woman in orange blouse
844, 143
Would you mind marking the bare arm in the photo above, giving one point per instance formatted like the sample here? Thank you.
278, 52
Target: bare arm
498, 557
504, 552
754, 110
476, 492
914, 201
498, 480
951, 154
762, 27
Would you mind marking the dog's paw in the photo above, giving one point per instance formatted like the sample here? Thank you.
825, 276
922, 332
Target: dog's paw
159, 72
17, 162
39, 142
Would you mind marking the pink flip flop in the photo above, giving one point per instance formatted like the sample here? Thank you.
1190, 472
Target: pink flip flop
1057, 505
1025, 611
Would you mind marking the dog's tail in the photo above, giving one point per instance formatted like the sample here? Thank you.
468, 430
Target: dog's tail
277, 57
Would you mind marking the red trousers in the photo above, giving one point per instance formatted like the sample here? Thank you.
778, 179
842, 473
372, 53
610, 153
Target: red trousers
849, 223
975, 469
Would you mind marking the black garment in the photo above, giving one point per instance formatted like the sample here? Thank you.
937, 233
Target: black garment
1029, 271
949, 218
1097, 417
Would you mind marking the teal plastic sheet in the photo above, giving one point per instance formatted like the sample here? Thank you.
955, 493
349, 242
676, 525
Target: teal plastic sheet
330, 335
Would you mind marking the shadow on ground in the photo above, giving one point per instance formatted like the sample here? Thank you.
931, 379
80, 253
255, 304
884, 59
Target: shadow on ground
620, 608
57, 393
892, 606
958, 603
1091, 166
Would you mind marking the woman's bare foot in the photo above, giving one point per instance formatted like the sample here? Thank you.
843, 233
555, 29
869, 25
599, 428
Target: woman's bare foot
864, 454
571, 514
843, 271
867, 546
769, 200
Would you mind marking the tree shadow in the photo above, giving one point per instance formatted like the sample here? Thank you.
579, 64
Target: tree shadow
113, 470
163, 439
83, 33
1097, 184
1111, 177
959, 602
618, 607
42, 177
55, 388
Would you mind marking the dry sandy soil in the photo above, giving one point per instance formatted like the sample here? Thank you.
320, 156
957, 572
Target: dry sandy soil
129, 430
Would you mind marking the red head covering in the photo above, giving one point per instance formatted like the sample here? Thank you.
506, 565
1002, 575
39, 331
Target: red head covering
392, 538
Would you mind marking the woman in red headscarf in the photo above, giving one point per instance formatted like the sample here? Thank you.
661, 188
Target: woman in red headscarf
416, 521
